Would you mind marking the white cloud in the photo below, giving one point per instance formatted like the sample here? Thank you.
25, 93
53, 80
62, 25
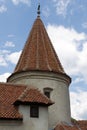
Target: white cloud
16, 2
61, 6
71, 47
3, 54
4, 76
9, 44
3, 8
7, 57
79, 104
13, 57
2, 61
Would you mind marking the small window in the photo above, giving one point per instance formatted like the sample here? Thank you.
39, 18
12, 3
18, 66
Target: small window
47, 94
34, 111
47, 91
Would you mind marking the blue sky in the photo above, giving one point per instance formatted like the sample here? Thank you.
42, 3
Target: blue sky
66, 24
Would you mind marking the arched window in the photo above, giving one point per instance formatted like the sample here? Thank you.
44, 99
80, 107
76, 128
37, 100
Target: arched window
47, 91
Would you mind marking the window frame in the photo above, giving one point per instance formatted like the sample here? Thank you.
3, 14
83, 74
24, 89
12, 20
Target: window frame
47, 91
34, 111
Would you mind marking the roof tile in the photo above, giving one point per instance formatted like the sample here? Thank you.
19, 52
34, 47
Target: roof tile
9, 93
83, 124
33, 95
38, 53
80, 125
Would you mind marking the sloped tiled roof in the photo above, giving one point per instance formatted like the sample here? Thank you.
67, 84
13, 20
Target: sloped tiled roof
10, 93
80, 125
38, 53
32, 95
83, 124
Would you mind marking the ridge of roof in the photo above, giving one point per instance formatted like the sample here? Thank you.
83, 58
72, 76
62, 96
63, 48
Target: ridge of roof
38, 52
33, 95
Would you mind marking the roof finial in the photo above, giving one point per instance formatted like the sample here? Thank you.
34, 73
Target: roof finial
38, 10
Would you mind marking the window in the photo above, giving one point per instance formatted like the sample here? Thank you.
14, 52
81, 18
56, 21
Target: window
47, 94
34, 111
47, 91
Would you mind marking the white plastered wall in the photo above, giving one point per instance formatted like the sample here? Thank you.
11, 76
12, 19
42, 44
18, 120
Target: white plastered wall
28, 123
40, 123
60, 110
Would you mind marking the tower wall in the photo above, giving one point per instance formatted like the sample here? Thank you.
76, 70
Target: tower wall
60, 110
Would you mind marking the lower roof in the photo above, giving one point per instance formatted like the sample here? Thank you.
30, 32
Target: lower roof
11, 94
79, 125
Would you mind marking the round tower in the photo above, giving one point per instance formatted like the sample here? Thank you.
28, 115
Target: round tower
40, 67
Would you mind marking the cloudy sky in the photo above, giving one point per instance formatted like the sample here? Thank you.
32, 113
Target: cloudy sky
66, 24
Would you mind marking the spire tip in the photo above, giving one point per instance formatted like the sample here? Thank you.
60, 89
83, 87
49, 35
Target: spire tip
38, 10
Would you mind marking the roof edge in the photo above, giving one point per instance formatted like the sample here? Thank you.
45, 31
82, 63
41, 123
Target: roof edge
18, 102
37, 71
11, 119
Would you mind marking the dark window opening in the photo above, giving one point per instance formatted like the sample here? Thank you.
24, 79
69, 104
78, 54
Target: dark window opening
47, 92
34, 111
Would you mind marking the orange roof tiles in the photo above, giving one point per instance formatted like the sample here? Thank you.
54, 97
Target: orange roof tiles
32, 95
83, 124
38, 53
62, 126
10, 93
13, 95
80, 125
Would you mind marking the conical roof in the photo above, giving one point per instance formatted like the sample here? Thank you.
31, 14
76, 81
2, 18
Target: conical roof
38, 53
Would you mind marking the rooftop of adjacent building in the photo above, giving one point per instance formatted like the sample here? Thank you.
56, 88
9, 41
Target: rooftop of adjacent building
78, 125
12, 95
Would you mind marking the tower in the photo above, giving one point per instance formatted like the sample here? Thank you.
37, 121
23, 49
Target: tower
39, 66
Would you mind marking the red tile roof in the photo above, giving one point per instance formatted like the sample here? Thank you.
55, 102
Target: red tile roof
83, 124
38, 53
80, 125
10, 93
32, 95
